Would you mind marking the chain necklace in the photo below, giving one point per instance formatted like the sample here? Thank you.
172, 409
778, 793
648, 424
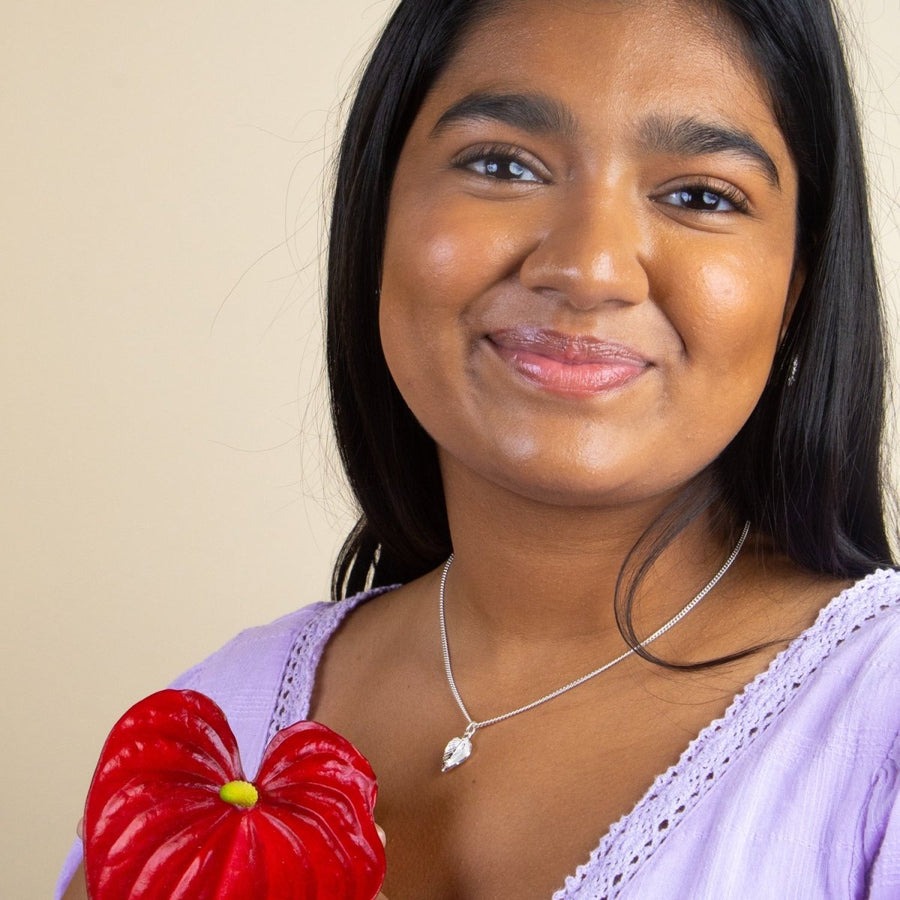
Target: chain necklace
458, 749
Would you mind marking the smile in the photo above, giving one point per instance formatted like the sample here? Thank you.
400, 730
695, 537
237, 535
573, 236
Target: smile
570, 365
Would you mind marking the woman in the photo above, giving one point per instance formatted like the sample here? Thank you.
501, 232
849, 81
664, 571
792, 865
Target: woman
630, 372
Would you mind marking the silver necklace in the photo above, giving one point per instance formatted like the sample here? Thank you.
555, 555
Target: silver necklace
459, 748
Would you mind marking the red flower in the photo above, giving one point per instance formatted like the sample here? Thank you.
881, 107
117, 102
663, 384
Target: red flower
169, 814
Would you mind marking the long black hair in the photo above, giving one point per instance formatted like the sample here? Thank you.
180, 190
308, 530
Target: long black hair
805, 469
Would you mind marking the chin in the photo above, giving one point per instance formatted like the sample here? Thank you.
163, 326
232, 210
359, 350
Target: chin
580, 489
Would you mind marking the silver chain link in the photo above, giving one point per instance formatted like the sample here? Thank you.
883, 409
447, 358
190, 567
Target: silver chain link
474, 725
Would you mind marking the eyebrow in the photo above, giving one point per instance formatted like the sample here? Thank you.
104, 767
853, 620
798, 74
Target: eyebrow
535, 113
692, 137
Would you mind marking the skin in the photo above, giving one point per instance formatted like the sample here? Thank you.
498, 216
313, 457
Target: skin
593, 245
599, 231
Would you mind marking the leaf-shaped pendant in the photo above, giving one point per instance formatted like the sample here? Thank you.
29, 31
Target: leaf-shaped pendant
456, 752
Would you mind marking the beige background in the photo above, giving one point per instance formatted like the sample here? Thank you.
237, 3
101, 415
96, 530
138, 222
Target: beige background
163, 435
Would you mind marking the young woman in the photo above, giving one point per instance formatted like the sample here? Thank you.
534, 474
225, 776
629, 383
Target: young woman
604, 324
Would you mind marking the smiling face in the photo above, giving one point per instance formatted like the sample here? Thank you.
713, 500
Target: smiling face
589, 250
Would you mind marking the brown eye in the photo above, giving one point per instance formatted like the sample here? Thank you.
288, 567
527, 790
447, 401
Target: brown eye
501, 168
705, 199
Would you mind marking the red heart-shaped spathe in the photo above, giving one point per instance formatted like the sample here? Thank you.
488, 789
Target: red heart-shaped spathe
156, 826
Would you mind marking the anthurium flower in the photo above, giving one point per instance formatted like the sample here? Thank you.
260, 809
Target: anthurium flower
171, 815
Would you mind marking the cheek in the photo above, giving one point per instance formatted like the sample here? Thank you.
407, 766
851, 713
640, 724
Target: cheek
444, 247
416, 291
427, 266
426, 280
440, 262
730, 313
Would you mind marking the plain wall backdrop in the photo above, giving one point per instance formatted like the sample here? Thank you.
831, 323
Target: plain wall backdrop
167, 472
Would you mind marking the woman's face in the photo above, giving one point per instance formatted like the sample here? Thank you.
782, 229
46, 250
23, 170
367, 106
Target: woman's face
590, 250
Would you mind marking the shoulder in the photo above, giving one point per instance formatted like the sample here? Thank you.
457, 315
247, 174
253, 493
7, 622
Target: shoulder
797, 786
853, 650
262, 678
259, 654
824, 718
867, 656
832, 695
860, 629
251, 655
244, 676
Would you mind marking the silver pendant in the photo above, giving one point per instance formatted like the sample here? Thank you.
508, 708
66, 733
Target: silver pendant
459, 749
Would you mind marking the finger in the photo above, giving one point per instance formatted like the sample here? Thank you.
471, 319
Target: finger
79, 829
383, 837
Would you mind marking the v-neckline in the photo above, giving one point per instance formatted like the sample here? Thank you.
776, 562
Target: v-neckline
634, 838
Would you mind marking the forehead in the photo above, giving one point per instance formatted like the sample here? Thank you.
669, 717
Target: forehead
665, 53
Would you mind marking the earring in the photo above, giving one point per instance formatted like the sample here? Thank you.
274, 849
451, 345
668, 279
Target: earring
792, 375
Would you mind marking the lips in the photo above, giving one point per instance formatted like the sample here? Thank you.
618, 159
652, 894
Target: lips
567, 364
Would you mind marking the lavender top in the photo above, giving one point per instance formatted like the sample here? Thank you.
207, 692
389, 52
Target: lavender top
792, 794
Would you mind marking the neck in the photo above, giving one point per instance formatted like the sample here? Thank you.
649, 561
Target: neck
527, 572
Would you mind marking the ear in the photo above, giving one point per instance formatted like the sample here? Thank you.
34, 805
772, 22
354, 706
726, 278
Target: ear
798, 279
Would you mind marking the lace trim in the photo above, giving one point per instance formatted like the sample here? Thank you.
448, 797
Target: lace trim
299, 675
634, 838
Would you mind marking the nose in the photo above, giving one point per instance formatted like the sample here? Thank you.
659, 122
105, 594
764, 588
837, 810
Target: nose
591, 250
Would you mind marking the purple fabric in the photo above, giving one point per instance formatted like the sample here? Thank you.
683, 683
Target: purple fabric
245, 678
792, 795
794, 792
